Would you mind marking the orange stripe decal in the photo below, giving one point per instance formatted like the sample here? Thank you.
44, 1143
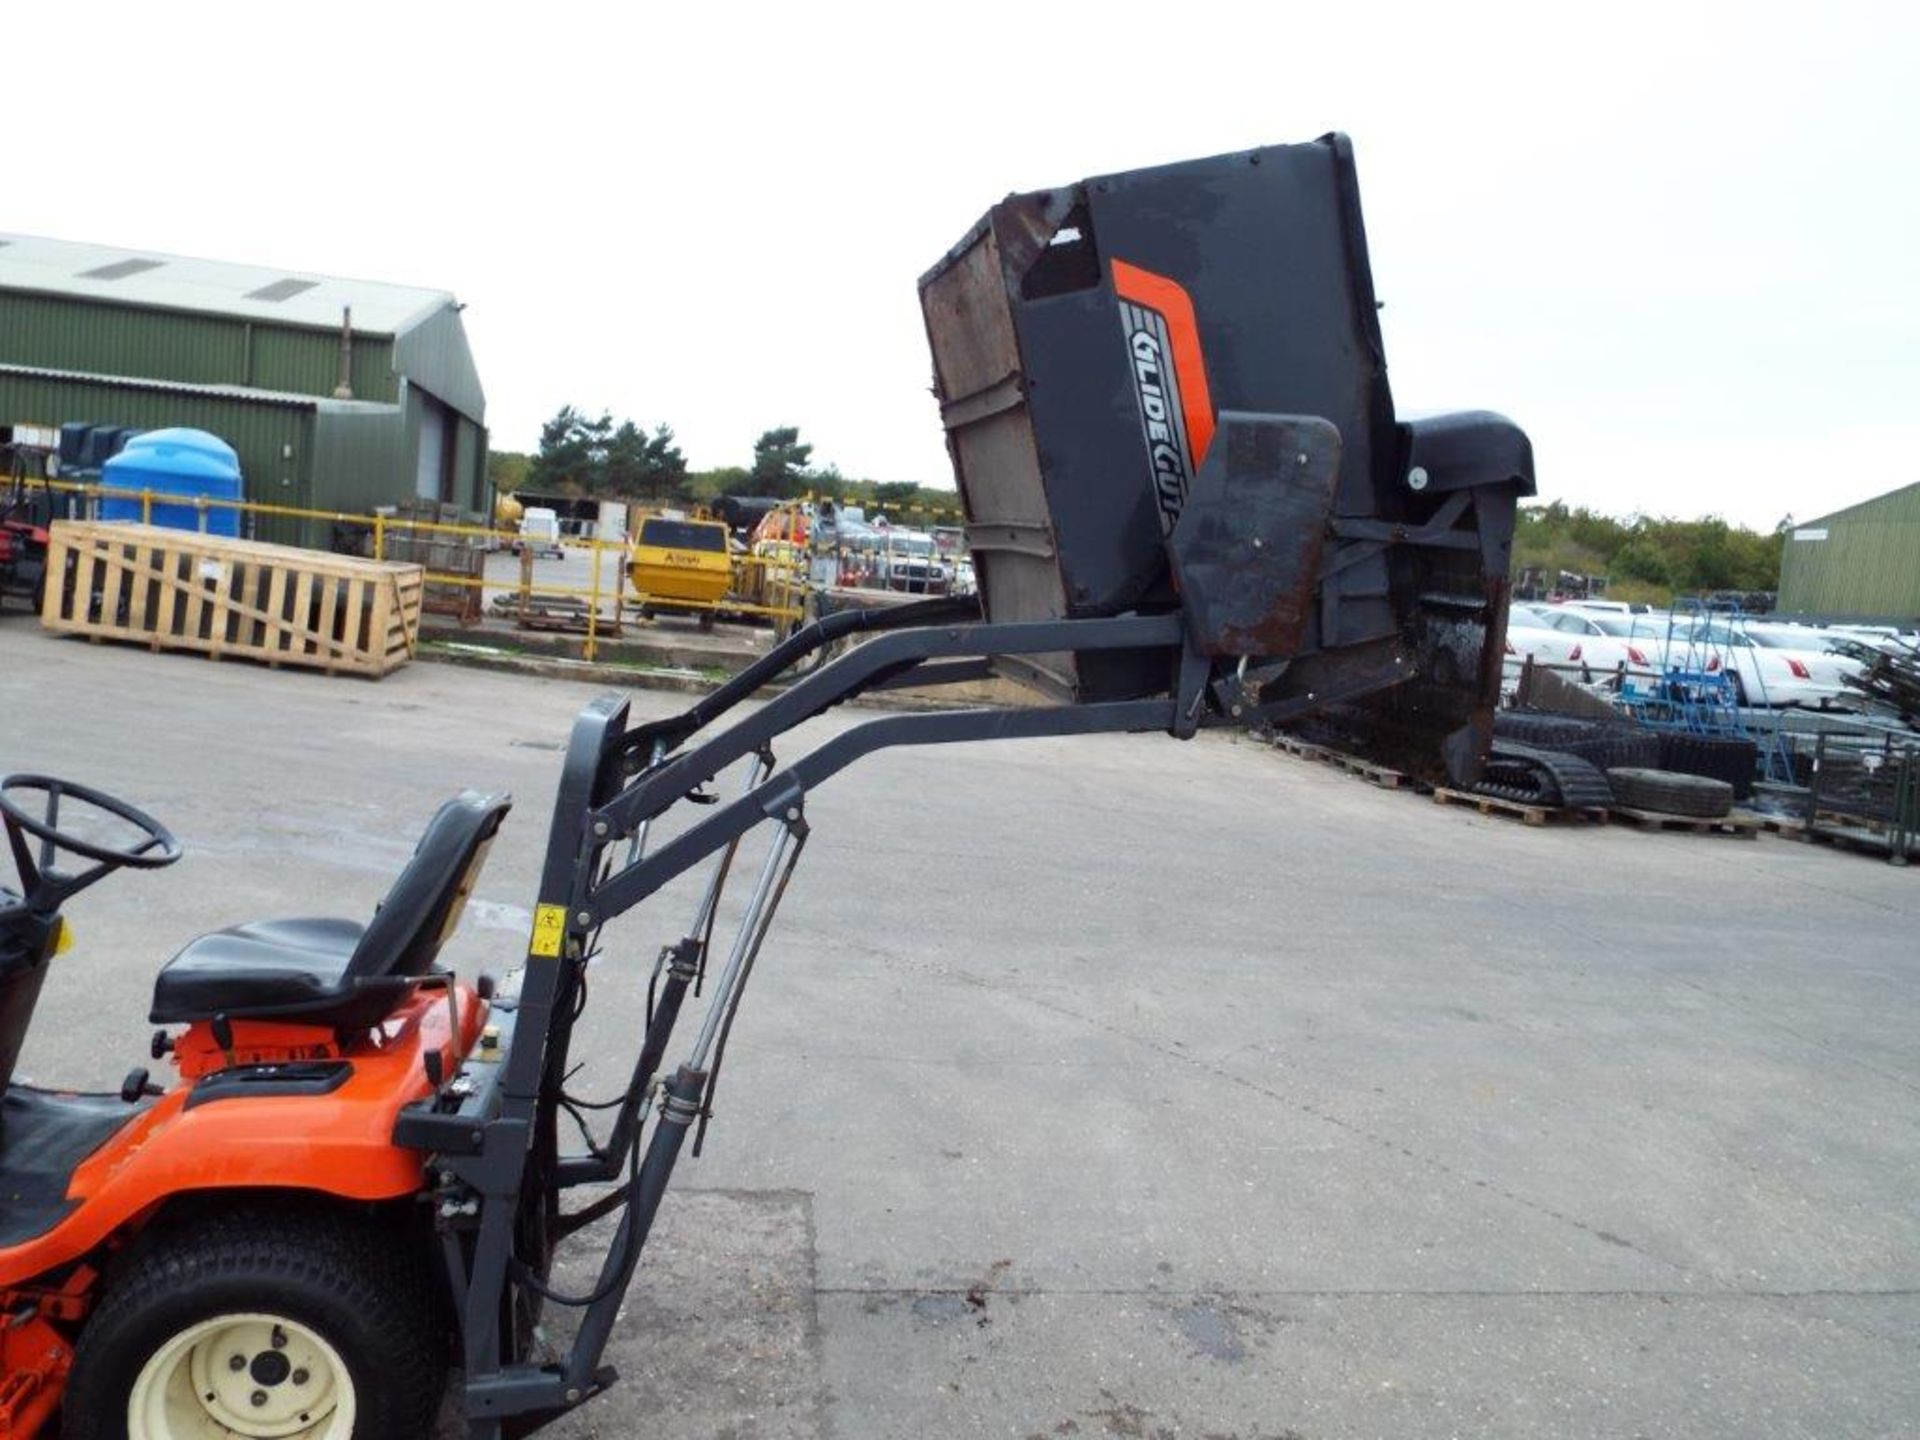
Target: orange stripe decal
1157, 292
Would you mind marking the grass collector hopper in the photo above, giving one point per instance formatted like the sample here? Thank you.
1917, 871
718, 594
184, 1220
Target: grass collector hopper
1166, 389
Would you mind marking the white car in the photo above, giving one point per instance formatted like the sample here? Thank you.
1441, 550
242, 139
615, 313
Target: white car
1770, 664
1609, 607
540, 533
1591, 643
1528, 637
1779, 665
1837, 637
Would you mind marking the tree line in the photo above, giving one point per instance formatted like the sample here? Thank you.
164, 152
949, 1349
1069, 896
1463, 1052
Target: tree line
596, 456
1643, 557
1646, 557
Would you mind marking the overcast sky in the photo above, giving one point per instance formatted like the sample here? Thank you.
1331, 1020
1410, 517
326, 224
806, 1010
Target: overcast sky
1679, 244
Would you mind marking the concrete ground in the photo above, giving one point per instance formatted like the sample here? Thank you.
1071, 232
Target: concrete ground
1116, 1087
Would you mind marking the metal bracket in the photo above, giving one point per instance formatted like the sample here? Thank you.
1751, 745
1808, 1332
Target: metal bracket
782, 797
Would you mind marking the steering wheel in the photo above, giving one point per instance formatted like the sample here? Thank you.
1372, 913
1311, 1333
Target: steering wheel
154, 846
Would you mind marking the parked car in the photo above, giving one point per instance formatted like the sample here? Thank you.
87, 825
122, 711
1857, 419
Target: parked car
1789, 667
1526, 638
1611, 607
906, 560
540, 533
1770, 664
1838, 639
1592, 642
1529, 634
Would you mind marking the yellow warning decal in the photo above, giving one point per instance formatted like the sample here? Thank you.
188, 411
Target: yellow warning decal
63, 942
549, 928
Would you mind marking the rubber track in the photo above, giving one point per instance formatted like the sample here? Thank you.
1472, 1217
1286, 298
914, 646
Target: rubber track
1568, 780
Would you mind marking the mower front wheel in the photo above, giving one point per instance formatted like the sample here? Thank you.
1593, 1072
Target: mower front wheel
306, 1325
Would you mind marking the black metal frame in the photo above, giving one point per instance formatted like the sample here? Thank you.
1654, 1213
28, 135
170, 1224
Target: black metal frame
494, 1132
1247, 556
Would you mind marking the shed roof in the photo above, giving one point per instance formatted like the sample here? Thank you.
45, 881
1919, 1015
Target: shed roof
219, 287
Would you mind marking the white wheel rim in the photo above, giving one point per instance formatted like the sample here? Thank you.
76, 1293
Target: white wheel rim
288, 1384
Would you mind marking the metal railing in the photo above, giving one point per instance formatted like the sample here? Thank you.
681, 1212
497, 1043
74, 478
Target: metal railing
782, 588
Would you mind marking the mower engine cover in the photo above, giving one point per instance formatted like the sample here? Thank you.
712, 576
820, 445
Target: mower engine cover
1092, 347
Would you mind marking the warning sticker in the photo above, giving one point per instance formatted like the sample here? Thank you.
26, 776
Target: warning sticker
549, 928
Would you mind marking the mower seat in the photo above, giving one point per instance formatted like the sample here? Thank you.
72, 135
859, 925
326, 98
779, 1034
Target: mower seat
337, 972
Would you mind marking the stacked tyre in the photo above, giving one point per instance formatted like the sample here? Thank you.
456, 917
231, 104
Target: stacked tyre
1620, 744
1719, 757
1668, 792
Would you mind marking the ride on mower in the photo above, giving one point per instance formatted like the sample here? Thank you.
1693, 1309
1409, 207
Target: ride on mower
1190, 504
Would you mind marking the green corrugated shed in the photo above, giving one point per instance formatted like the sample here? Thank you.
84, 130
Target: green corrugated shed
116, 337
1862, 562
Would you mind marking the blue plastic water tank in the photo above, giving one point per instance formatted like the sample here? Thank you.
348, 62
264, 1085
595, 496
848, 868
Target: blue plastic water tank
183, 462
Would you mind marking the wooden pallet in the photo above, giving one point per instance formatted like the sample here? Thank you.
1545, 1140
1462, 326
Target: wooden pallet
1788, 827
564, 614
1521, 810
206, 594
1383, 776
1848, 819
1740, 825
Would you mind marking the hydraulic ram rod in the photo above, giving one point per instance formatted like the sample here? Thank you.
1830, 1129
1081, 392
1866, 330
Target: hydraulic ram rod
683, 962
684, 1098
742, 943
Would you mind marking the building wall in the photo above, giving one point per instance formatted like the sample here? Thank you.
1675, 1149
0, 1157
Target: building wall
307, 362
347, 457
274, 442
434, 354
66, 333
1867, 564
360, 459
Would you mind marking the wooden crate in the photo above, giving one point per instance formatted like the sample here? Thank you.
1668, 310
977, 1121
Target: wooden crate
176, 590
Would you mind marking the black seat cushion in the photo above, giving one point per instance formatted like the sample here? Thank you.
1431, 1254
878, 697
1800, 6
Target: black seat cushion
334, 972
268, 967
44, 1135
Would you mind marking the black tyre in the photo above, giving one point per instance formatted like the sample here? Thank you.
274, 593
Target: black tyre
1668, 793
706, 622
1729, 758
302, 1323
